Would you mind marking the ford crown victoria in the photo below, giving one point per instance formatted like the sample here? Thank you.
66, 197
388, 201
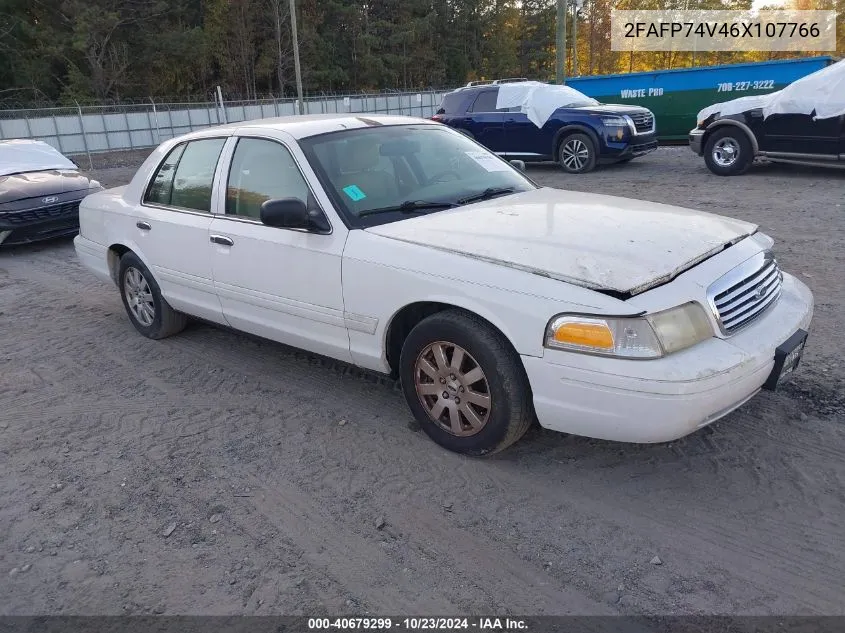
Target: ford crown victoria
402, 246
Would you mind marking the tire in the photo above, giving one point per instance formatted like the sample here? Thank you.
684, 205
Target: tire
576, 153
728, 152
134, 282
509, 410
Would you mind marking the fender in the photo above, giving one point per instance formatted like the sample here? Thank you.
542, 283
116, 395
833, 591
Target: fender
573, 127
461, 303
722, 122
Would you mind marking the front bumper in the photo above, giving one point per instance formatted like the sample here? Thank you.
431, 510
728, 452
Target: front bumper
695, 138
640, 148
24, 227
634, 146
646, 401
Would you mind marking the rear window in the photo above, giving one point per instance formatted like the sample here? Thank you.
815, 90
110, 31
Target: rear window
486, 101
451, 104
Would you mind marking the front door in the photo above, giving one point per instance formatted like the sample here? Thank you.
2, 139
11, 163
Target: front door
842, 137
523, 139
282, 284
171, 227
801, 134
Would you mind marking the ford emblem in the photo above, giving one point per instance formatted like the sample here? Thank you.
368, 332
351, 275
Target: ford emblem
50, 199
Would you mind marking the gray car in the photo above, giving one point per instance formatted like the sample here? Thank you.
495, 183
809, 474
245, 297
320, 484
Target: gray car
40, 192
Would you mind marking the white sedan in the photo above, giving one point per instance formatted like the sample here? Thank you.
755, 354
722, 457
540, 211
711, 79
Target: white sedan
401, 246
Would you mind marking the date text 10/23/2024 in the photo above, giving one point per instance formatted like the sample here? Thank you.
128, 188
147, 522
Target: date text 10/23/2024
418, 624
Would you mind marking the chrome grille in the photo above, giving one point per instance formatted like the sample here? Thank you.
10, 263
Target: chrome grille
57, 211
643, 121
746, 292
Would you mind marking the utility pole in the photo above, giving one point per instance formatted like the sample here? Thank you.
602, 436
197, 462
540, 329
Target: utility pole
296, 56
560, 57
575, 10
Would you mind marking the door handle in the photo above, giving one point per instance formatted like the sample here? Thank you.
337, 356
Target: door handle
144, 226
222, 239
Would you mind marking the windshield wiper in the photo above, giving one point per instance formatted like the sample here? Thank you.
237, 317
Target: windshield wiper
486, 194
409, 206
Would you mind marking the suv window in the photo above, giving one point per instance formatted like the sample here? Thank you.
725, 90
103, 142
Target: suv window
485, 101
262, 170
451, 103
184, 179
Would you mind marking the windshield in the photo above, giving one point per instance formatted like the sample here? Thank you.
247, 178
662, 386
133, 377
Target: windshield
385, 173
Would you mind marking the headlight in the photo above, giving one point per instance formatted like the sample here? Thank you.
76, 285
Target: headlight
614, 121
94, 184
649, 336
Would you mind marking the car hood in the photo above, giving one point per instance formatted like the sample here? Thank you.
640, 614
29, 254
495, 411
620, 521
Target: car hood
611, 108
36, 184
595, 241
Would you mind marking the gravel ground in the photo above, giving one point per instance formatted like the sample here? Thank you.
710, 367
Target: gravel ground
220, 474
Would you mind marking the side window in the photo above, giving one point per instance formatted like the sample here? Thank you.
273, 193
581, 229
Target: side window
162, 184
262, 170
485, 101
195, 174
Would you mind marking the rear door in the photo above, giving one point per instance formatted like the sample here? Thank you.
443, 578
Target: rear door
172, 225
487, 125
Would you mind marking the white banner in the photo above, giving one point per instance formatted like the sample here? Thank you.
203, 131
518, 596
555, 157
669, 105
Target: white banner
676, 30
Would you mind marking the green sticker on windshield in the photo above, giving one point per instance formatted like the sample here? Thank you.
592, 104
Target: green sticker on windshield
355, 194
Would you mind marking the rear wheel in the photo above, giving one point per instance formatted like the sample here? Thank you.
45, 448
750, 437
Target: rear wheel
148, 310
577, 153
465, 384
728, 152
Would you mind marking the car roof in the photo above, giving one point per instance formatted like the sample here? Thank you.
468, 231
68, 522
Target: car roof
495, 85
305, 125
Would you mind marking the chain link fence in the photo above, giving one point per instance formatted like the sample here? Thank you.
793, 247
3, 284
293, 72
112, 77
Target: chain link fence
87, 130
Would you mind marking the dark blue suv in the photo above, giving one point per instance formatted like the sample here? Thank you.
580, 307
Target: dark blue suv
579, 133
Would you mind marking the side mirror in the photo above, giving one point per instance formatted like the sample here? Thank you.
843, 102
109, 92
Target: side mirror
293, 213
288, 213
519, 164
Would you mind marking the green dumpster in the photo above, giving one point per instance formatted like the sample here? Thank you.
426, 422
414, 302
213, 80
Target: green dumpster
676, 96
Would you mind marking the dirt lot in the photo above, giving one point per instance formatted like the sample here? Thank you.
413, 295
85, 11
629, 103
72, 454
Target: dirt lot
215, 473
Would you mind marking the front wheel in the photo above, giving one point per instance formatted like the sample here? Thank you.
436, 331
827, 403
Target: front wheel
577, 154
728, 152
465, 384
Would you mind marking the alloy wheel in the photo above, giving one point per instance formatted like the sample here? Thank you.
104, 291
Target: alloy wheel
725, 152
453, 388
139, 297
575, 154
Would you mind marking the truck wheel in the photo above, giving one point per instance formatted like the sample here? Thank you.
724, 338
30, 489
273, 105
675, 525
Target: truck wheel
149, 312
577, 154
465, 384
728, 152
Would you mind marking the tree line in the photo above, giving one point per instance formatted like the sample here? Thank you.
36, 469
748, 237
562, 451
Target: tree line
89, 51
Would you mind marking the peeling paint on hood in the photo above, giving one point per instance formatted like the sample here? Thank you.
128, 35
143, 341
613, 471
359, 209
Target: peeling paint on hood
595, 241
